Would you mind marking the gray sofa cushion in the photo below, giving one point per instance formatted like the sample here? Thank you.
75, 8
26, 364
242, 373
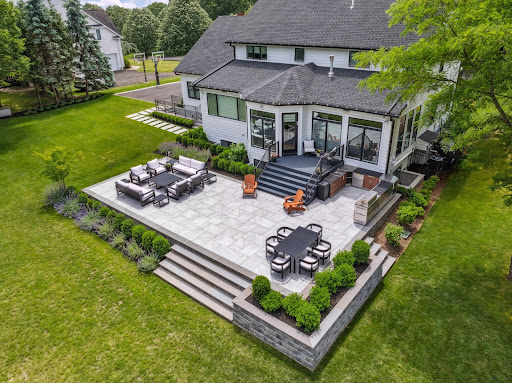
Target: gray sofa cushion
154, 164
185, 161
198, 165
183, 169
137, 170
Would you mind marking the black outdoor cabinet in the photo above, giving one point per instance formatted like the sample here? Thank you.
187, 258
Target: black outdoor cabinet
323, 190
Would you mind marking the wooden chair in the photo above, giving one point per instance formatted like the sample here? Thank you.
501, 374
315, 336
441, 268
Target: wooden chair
249, 186
294, 202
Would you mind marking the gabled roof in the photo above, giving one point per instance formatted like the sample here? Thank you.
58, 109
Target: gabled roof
284, 84
101, 16
321, 23
211, 50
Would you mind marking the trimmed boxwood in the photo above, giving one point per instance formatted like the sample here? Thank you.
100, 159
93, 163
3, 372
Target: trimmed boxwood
161, 246
82, 198
111, 216
272, 301
320, 297
327, 279
361, 251
343, 257
292, 303
174, 119
126, 228
137, 233
147, 239
308, 316
393, 234
104, 211
260, 287
347, 275
60, 105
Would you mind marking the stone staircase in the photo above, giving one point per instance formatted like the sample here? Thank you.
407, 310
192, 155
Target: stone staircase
203, 279
283, 181
375, 249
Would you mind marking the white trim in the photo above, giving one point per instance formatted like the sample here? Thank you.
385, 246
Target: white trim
111, 30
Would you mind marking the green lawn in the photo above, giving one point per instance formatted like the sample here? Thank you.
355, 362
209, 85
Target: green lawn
73, 309
24, 99
163, 66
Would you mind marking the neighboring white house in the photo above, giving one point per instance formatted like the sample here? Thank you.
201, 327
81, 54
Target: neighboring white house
102, 27
264, 78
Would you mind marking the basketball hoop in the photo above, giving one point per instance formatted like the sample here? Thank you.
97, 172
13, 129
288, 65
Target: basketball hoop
138, 57
158, 56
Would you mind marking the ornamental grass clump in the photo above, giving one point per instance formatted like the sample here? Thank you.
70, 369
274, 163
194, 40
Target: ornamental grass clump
89, 221
308, 316
292, 303
148, 263
260, 287
343, 257
106, 230
361, 251
272, 301
134, 251
55, 193
393, 234
118, 241
69, 207
320, 297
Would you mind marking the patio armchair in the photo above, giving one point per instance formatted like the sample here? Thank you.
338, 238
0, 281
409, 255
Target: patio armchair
317, 228
177, 189
322, 251
155, 168
309, 263
143, 195
195, 181
308, 148
249, 186
284, 232
271, 243
294, 202
280, 264
138, 175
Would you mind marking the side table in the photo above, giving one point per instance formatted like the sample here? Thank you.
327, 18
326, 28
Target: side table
161, 200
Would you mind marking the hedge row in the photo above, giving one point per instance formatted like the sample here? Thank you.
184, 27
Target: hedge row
62, 104
174, 119
232, 166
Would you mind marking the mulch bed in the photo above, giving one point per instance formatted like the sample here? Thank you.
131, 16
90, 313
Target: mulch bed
335, 298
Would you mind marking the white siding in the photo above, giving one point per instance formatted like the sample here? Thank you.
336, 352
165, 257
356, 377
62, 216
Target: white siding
184, 91
286, 55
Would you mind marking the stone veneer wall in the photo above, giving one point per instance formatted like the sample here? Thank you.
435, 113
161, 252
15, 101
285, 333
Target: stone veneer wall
308, 350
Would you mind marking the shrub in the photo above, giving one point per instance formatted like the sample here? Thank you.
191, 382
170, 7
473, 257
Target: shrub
407, 213
106, 230
320, 297
90, 202
161, 246
215, 161
393, 233
272, 301
260, 287
55, 193
292, 303
70, 208
174, 119
227, 164
417, 199
403, 191
308, 317
165, 147
347, 275
232, 167
179, 139
147, 239
177, 150
111, 217
221, 163
126, 228
137, 233
118, 241
104, 211
426, 193
89, 221
343, 257
82, 198
237, 152
223, 153
361, 251
148, 263
96, 205
327, 279
134, 251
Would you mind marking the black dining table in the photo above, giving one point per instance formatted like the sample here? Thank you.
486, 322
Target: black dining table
297, 242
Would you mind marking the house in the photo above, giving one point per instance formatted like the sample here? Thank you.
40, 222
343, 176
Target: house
102, 27
286, 73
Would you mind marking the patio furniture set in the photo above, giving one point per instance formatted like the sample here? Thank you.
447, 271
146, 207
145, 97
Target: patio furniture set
156, 174
290, 245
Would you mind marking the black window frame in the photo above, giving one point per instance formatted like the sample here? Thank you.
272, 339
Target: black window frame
352, 63
195, 91
328, 119
262, 52
303, 54
263, 118
240, 105
365, 128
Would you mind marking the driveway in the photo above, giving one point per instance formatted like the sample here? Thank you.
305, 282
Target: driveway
130, 77
158, 92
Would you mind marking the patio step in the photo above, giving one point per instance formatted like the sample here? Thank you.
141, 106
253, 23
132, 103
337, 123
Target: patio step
282, 181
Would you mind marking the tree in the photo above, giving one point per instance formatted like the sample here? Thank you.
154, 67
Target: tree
118, 15
462, 58
90, 6
156, 8
216, 8
141, 29
183, 24
90, 61
57, 163
49, 49
12, 61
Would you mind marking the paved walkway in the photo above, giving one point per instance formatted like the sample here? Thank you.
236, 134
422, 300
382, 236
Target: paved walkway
144, 117
131, 77
218, 219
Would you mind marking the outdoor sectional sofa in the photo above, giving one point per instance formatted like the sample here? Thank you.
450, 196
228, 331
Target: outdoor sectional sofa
189, 166
143, 195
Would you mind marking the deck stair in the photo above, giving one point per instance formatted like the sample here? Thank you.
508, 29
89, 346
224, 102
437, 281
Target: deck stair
208, 282
375, 249
283, 181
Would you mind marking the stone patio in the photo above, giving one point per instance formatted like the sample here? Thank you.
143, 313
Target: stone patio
218, 219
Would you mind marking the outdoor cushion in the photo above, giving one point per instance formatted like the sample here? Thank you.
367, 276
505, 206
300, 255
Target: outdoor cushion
137, 170
184, 169
144, 176
195, 177
135, 188
309, 146
308, 266
198, 165
280, 260
185, 161
154, 164
321, 247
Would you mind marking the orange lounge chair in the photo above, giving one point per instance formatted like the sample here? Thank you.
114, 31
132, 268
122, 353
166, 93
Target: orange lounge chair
249, 186
294, 202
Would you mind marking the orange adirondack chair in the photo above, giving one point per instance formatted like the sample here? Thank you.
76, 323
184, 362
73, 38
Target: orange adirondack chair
249, 186
294, 202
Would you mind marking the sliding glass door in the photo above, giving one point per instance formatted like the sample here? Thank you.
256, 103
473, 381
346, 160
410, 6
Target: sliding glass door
290, 128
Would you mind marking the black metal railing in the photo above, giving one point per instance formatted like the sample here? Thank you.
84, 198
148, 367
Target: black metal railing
176, 107
264, 160
318, 174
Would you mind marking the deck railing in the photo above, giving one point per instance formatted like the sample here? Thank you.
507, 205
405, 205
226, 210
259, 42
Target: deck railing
264, 160
318, 174
176, 107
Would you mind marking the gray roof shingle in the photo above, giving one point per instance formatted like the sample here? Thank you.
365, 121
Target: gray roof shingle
102, 17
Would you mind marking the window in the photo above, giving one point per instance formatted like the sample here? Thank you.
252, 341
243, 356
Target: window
225, 106
256, 52
352, 62
417, 115
364, 140
299, 54
400, 140
225, 143
326, 131
98, 34
263, 129
193, 91
408, 129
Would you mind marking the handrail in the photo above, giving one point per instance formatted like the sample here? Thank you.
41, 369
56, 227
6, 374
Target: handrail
309, 189
269, 147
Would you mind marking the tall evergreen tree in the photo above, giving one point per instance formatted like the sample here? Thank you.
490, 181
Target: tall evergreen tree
89, 61
49, 49
12, 61
183, 24
142, 30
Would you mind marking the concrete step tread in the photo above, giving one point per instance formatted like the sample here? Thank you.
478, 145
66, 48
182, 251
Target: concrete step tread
285, 191
204, 274
277, 166
279, 172
388, 263
195, 294
219, 270
374, 248
278, 182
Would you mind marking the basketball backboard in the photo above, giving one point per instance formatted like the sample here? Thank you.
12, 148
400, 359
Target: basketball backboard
158, 56
137, 57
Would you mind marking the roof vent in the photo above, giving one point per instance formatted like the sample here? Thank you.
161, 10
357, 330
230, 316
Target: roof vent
331, 68
352, 6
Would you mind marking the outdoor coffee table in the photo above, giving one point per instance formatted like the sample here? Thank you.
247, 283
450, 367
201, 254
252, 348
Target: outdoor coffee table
210, 177
161, 200
164, 179
298, 241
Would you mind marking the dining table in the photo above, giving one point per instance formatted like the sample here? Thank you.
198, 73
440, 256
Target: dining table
297, 242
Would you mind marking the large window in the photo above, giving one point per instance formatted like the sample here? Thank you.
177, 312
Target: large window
326, 131
256, 52
363, 141
417, 115
400, 136
299, 54
408, 129
352, 61
193, 91
225, 106
263, 129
